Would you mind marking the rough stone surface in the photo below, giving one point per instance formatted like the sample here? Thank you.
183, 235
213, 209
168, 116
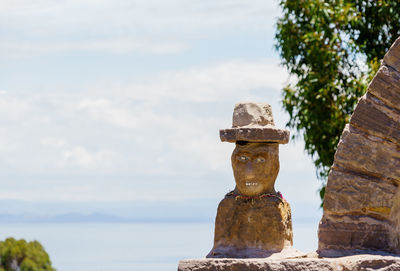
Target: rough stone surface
392, 57
255, 134
252, 114
254, 122
357, 262
386, 86
362, 199
255, 168
251, 228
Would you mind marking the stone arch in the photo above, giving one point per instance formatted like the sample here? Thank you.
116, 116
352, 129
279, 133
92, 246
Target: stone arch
362, 199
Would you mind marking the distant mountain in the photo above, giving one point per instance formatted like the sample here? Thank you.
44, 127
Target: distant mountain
70, 217
117, 212
89, 218
157, 211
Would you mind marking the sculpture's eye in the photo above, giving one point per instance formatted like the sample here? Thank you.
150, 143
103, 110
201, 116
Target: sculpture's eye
242, 158
259, 160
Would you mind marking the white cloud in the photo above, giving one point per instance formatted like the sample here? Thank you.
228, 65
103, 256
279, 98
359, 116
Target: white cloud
232, 80
103, 109
20, 49
53, 142
152, 107
101, 16
123, 26
73, 130
80, 156
162, 132
166, 110
12, 108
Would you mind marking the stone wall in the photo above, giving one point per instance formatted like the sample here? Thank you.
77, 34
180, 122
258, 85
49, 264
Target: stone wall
309, 263
362, 199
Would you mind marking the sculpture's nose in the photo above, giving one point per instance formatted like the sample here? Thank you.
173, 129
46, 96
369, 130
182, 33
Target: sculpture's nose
249, 170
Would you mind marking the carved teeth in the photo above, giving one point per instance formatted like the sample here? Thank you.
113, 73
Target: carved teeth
251, 184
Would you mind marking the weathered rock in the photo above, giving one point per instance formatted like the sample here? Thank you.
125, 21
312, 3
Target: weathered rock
358, 195
365, 153
362, 204
392, 57
254, 122
386, 86
343, 234
252, 114
350, 263
376, 118
255, 134
251, 228
255, 168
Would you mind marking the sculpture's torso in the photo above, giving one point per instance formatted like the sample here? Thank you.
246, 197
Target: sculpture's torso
253, 227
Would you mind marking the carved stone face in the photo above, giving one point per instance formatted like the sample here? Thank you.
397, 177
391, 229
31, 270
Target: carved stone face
255, 167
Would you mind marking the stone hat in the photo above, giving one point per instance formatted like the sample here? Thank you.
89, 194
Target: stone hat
253, 122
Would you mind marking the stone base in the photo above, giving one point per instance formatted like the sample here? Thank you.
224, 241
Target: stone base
251, 228
310, 263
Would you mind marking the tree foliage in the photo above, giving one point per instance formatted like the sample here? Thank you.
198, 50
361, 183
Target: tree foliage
332, 49
23, 256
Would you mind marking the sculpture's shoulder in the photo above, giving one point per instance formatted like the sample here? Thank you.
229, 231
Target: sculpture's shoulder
234, 201
228, 200
267, 197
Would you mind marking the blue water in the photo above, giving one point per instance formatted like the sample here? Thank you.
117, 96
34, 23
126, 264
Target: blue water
120, 247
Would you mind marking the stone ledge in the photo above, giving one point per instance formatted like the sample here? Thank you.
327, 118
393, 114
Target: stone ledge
255, 134
312, 262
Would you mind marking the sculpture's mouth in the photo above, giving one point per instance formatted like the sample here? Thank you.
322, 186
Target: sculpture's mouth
251, 184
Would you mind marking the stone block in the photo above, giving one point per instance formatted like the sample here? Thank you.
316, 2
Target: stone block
251, 228
350, 232
367, 154
255, 134
348, 193
254, 122
386, 86
392, 57
375, 118
252, 114
349, 263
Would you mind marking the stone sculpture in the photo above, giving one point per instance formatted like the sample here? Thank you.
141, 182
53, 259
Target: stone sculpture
362, 199
253, 220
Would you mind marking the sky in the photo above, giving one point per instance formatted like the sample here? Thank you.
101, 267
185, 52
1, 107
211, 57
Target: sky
123, 100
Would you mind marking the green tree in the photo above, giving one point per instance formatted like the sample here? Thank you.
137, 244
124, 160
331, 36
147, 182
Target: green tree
332, 49
23, 256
